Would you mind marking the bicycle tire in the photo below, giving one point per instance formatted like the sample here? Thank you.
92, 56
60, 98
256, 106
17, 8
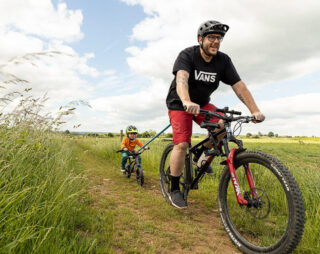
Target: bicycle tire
164, 172
264, 234
140, 176
127, 172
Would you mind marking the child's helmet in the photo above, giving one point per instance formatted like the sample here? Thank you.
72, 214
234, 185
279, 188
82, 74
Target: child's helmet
131, 129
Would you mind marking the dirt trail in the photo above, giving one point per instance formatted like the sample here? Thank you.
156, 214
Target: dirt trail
145, 223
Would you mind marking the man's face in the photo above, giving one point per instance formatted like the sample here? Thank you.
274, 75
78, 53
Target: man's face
211, 43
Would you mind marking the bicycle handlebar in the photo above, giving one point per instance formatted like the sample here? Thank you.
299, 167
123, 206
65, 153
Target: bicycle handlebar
231, 118
131, 153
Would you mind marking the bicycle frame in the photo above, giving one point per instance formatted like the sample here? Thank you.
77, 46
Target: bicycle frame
191, 182
133, 159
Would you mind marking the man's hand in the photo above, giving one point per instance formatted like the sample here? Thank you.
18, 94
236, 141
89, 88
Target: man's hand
147, 148
191, 107
125, 149
258, 116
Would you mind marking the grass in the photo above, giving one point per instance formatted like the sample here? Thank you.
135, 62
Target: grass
44, 203
301, 158
143, 221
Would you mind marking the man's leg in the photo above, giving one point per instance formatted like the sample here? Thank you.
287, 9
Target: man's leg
177, 161
181, 122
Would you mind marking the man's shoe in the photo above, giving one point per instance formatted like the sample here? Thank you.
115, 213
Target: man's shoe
177, 200
122, 170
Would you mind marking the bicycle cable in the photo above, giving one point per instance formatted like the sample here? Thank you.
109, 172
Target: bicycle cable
237, 126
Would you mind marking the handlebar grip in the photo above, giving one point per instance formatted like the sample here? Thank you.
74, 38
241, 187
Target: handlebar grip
235, 112
226, 110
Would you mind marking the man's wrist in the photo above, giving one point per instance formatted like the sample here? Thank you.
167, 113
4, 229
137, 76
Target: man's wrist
185, 101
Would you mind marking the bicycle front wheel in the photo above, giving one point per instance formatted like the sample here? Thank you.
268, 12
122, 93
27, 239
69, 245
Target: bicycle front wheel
127, 172
140, 176
275, 223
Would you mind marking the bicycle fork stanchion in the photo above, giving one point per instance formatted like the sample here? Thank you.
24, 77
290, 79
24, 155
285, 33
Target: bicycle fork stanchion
250, 179
235, 181
154, 137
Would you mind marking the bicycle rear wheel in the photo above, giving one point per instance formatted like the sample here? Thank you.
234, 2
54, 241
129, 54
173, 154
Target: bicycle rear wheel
276, 224
164, 170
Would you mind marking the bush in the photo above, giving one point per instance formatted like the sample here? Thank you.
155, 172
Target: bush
270, 134
168, 135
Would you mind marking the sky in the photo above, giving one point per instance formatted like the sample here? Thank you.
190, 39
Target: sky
117, 56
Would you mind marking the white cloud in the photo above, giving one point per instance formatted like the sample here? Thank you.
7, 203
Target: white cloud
268, 42
40, 18
30, 27
294, 115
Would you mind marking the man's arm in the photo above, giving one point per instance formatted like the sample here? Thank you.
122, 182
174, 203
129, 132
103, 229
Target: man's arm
183, 92
245, 96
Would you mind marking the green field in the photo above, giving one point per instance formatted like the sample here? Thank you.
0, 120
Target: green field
49, 201
301, 156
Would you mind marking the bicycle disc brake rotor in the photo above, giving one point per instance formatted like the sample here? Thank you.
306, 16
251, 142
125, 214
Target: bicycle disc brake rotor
260, 207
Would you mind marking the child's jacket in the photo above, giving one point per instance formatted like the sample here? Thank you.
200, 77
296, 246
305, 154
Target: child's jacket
130, 144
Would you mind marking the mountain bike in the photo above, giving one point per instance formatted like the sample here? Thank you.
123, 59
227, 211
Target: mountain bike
259, 201
133, 166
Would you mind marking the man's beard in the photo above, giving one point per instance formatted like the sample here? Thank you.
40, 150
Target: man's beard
207, 52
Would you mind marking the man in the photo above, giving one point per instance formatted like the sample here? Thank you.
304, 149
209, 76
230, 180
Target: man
198, 71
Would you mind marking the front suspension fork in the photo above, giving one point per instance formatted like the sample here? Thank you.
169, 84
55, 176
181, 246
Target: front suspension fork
235, 181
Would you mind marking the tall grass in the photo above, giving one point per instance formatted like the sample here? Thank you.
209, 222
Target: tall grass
39, 192
43, 205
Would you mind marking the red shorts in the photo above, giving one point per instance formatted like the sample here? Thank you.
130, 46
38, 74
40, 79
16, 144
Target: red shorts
181, 123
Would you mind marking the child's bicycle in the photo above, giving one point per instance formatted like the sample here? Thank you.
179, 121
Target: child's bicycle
133, 166
259, 201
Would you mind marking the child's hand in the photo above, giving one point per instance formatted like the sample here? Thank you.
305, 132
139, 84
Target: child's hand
125, 149
147, 148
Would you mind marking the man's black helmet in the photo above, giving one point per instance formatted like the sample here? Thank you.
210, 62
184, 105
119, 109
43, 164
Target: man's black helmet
210, 27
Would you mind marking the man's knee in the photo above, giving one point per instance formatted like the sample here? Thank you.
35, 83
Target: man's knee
183, 146
220, 122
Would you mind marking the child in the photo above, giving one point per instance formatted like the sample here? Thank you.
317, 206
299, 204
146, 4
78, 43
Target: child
128, 144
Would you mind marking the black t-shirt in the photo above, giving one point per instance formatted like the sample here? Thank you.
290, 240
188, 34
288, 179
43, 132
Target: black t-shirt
204, 77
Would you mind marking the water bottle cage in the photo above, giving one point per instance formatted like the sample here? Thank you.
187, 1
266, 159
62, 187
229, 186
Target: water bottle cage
212, 152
